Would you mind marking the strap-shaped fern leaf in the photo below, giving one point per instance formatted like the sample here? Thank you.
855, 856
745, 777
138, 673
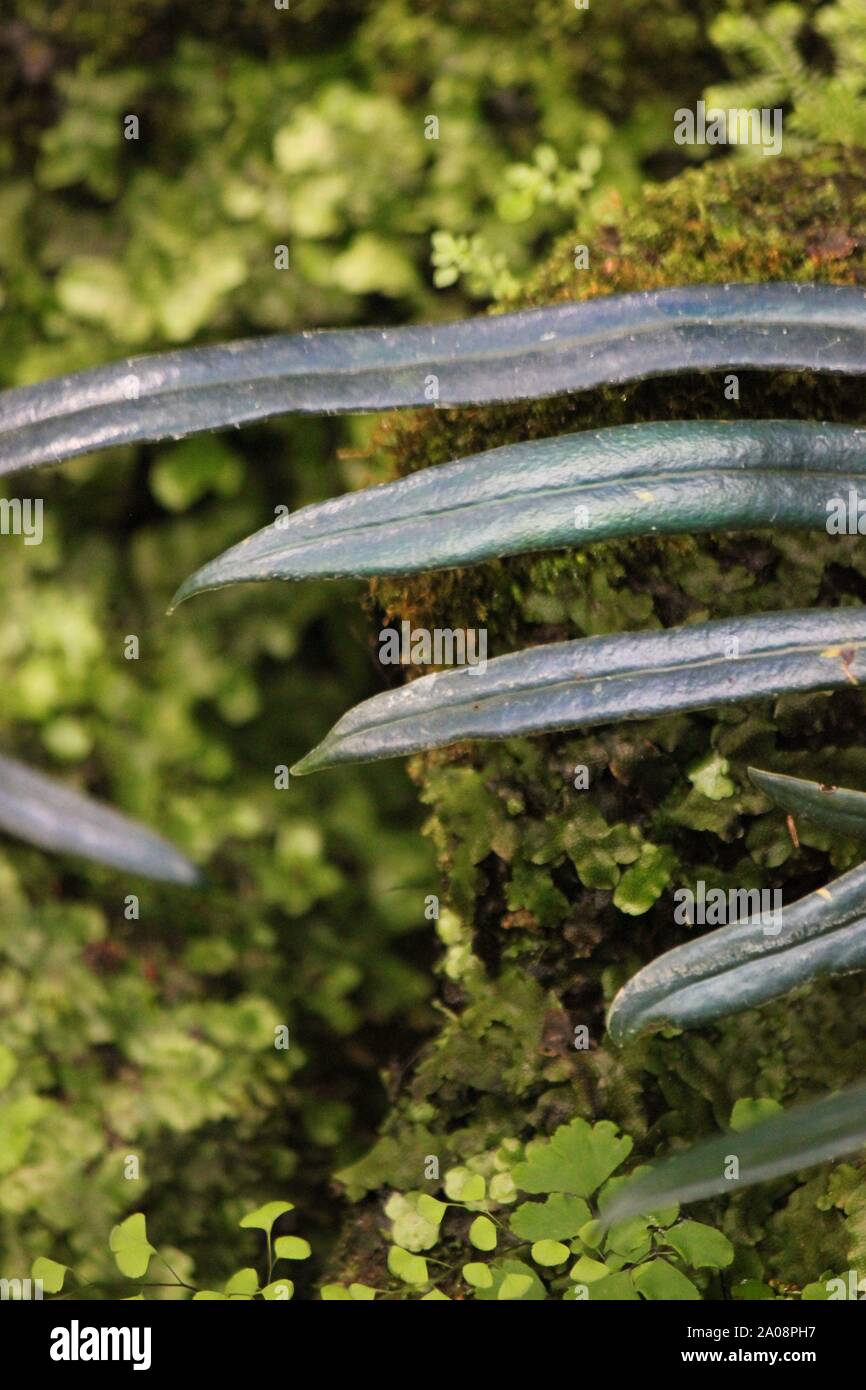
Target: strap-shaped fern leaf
571, 490
507, 357
43, 812
736, 968
758, 958
597, 680
837, 808
785, 1143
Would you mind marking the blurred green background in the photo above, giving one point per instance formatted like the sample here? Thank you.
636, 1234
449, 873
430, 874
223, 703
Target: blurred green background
262, 128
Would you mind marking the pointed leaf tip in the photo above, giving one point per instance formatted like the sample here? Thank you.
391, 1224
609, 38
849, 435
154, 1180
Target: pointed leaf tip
314, 761
53, 816
572, 490
837, 808
767, 950
599, 680
195, 583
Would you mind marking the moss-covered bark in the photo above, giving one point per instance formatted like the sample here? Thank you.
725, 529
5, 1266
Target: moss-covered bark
555, 895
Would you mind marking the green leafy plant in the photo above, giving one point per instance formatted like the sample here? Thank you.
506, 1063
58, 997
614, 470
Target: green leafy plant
135, 1256
771, 49
532, 193
534, 1228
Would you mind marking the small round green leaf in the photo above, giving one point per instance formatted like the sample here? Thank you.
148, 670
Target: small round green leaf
659, 1281
243, 1284
592, 1234
431, 1208
529, 1287
462, 1185
549, 1252
588, 1271
482, 1233
478, 1275
700, 1246
130, 1246
50, 1273
263, 1218
280, 1291
514, 1286
412, 1269
292, 1248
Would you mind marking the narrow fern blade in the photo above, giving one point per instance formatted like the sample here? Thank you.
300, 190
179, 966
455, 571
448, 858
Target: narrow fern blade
766, 954
798, 1138
837, 808
48, 814
567, 491
597, 680
521, 356
741, 966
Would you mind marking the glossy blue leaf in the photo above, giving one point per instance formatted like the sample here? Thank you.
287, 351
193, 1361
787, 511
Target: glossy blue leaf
503, 357
46, 813
568, 491
599, 680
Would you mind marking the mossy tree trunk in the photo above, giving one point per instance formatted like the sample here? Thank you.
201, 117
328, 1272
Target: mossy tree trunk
553, 894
